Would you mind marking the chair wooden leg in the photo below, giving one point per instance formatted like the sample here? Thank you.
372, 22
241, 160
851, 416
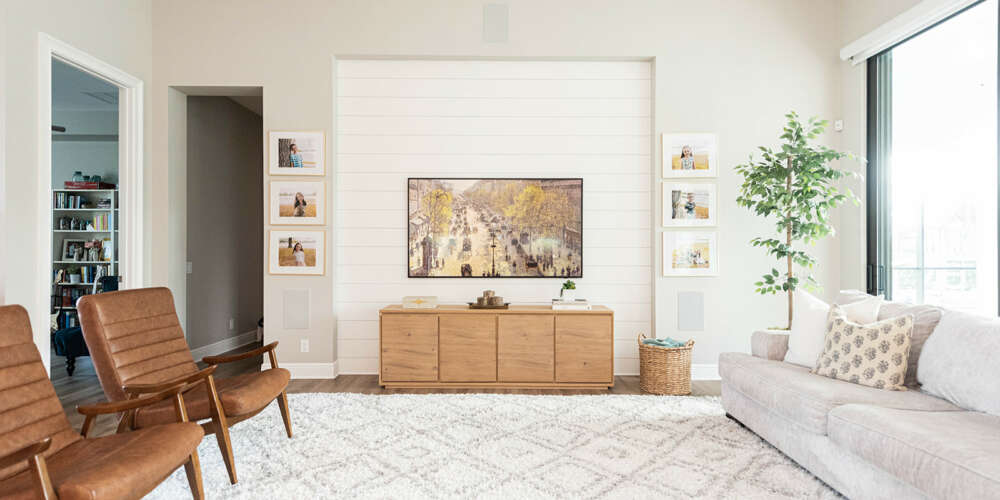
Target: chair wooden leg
283, 406
193, 469
221, 429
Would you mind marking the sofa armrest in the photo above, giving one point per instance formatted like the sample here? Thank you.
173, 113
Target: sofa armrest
770, 345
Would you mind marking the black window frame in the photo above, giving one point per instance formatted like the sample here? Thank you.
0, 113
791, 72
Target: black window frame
878, 275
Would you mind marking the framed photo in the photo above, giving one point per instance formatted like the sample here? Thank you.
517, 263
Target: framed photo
494, 228
71, 247
689, 204
297, 153
690, 253
297, 252
690, 155
298, 202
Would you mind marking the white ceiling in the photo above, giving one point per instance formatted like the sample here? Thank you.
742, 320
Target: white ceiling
70, 88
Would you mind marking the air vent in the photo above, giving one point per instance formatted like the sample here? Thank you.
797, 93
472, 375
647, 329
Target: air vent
105, 97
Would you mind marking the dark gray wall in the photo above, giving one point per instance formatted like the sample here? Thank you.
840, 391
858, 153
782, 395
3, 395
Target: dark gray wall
225, 208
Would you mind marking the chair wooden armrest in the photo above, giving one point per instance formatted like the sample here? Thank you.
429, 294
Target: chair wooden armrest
217, 360
127, 407
188, 381
25, 453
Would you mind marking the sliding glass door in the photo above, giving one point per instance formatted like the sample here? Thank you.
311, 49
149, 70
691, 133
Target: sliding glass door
933, 165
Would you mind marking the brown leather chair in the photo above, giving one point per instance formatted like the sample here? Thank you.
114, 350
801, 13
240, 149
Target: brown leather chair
42, 457
137, 346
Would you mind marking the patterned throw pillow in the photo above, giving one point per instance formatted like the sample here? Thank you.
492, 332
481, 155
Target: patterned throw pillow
874, 355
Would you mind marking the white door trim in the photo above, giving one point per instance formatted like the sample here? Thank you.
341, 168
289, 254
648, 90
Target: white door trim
130, 171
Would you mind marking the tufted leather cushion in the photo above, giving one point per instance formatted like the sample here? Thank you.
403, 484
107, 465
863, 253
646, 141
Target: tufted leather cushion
134, 337
118, 466
29, 406
240, 395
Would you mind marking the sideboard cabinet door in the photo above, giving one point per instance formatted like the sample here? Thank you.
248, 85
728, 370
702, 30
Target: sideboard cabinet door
525, 348
468, 348
583, 348
409, 347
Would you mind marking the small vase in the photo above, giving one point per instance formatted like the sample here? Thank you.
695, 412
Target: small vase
78, 176
567, 294
74, 278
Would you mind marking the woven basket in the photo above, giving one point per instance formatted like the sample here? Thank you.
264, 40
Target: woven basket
665, 370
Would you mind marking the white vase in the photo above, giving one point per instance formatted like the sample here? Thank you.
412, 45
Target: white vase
567, 294
74, 278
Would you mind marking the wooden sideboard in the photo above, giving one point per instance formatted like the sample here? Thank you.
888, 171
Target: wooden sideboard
523, 346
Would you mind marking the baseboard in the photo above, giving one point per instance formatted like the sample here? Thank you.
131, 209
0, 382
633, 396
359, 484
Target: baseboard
225, 345
308, 370
698, 372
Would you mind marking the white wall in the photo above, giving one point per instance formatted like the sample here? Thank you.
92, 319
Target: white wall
857, 18
732, 67
461, 118
92, 156
115, 31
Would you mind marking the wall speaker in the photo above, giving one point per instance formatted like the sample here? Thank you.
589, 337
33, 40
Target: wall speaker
690, 311
295, 308
495, 16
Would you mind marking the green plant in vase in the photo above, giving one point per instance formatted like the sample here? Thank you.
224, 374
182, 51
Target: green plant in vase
795, 186
568, 291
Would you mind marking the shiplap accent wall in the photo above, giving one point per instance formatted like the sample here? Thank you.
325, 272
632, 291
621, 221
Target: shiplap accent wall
445, 118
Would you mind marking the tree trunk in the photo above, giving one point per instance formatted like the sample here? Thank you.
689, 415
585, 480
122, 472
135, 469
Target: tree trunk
788, 242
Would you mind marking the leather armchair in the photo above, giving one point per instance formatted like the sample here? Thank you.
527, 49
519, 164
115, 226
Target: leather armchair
137, 346
42, 457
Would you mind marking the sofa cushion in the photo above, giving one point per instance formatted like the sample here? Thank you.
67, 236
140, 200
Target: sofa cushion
873, 355
805, 398
808, 332
959, 362
925, 320
954, 454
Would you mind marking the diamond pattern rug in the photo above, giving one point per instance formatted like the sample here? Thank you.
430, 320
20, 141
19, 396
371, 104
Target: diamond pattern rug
498, 446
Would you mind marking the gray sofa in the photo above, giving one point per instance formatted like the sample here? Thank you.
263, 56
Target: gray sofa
865, 442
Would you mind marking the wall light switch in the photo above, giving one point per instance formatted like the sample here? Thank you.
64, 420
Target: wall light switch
838, 125
190, 268
304, 345
232, 324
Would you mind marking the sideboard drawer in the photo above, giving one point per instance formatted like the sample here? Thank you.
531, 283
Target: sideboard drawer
584, 349
409, 347
468, 348
525, 348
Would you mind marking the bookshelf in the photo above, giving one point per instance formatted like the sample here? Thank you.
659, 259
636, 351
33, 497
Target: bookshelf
84, 242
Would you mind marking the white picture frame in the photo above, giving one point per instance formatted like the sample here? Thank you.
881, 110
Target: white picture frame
298, 202
282, 247
71, 243
309, 148
704, 155
684, 253
689, 204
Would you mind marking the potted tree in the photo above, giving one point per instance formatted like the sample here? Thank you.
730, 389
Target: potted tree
795, 187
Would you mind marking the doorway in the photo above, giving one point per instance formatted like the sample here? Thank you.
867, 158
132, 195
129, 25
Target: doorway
90, 190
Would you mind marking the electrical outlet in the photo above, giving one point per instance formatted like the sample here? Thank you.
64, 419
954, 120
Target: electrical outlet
232, 324
304, 345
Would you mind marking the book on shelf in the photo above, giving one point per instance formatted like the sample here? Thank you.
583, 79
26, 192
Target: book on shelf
570, 305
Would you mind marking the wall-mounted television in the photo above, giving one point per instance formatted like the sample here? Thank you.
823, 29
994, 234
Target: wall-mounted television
494, 228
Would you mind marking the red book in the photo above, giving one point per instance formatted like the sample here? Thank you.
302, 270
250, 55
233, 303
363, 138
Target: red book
87, 185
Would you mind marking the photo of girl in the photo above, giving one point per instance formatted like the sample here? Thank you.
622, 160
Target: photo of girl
298, 202
294, 157
689, 155
300, 205
297, 252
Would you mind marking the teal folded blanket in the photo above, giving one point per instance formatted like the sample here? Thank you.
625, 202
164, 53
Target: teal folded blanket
664, 342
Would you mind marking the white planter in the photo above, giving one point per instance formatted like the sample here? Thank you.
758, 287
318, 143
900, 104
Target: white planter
74, 278
567, 294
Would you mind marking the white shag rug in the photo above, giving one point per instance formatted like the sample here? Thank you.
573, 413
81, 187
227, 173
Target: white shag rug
497, 446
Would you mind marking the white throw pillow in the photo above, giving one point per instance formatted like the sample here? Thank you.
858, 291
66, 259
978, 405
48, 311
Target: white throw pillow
805, 342
959, 362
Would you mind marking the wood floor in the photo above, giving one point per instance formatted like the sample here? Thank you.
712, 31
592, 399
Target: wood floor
83, 387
